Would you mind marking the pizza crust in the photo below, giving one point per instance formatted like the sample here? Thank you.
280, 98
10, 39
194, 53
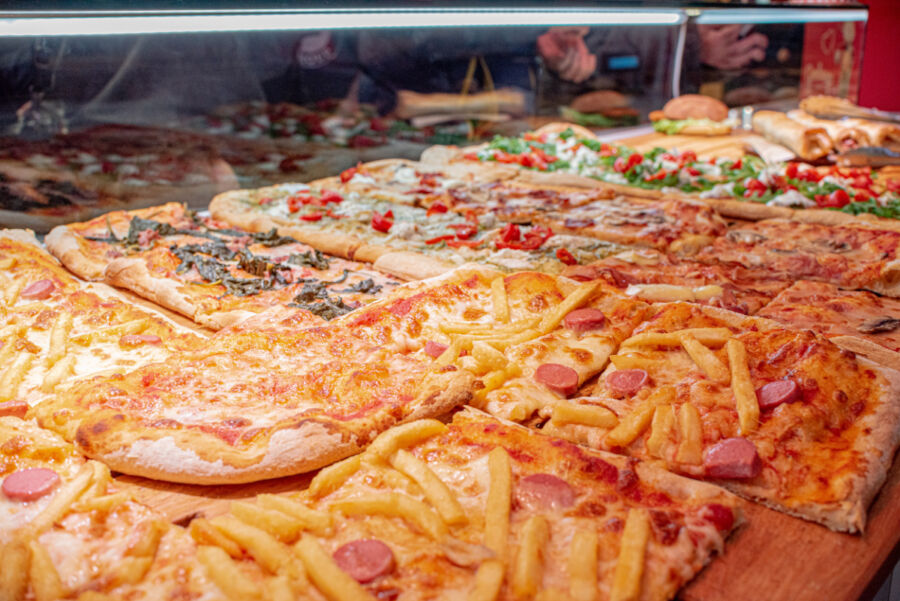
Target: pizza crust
869, 349
65, 245
133, 274
411, 265
131, 445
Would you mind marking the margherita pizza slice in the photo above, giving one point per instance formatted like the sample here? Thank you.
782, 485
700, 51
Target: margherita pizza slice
213, 274
481, 509
54, 328
780, 416
857, 320
657, 277
858, 256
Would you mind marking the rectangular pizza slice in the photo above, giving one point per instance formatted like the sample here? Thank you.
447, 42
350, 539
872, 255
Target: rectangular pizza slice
209, 272
657, 277
857, 320
403, 239
781, 416
54, 327
858, 256
480, 509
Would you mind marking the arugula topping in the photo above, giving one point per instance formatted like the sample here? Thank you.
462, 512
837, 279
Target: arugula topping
890, 210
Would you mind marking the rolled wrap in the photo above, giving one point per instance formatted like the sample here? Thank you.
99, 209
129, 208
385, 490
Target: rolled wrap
844, 136
808, 143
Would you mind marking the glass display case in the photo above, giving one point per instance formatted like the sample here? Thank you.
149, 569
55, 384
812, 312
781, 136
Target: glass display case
112, 106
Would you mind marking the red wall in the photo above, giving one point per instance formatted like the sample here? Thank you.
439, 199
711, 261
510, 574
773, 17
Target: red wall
880, 85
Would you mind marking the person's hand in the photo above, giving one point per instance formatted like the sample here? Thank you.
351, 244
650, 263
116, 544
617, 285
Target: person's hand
722, 47
564, 52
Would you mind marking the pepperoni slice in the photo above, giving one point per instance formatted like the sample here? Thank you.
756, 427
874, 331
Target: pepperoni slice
719, 516
775, 393
30, 484
544, 491
584, 320
733, 458
365, 559
558, 378
434, 349
39, 290
626, 382
14, 409
139, 339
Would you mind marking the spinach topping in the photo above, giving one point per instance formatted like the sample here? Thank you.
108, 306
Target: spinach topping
311, 258
366, 286
314, 298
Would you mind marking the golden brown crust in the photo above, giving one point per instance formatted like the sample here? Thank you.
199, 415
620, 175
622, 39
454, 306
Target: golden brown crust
410, 265
133, 274
868, 349
65, 245
752, 211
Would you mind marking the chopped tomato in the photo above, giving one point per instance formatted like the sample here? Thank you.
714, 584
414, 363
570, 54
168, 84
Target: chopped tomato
311, 217
504, 157
466, 243
791, 171
297, 201
530, 160
509, 233
659, 175
754, 187
688, 156
330, 196
547, 158
437, 239
333, 215
809, 175
737, 164
471, 156
428, 180
606, 150
511, 237
692, 171
266, 200
436, 208
464, 231
382, 223
347, 174
530, 137
862, 196
566, 257
837, 199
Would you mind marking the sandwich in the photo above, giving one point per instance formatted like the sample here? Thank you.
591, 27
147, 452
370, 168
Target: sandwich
694, 115
602, 108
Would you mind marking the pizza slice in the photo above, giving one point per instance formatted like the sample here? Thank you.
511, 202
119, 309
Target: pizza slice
55, 328
255, 404
780, 416
658, 277
67, 533
479, 509
109, 167
857, 320
857, 256
410, 241
665, 224
209, 272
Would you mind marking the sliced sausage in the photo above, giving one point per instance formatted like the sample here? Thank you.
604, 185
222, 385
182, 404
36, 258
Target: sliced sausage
365, 559
30, 484
584, 320
732, 458
558, 378
626, 382
139, 339
719, 516
544, 491
775, 393
434, 349
39, 290
13, 408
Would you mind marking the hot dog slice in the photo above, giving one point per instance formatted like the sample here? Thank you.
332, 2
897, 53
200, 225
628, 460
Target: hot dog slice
732, 458
584, 320
30, 484
434, 349
365, 559
558, 378
626, 382
39, 290
775, 393
542, 492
